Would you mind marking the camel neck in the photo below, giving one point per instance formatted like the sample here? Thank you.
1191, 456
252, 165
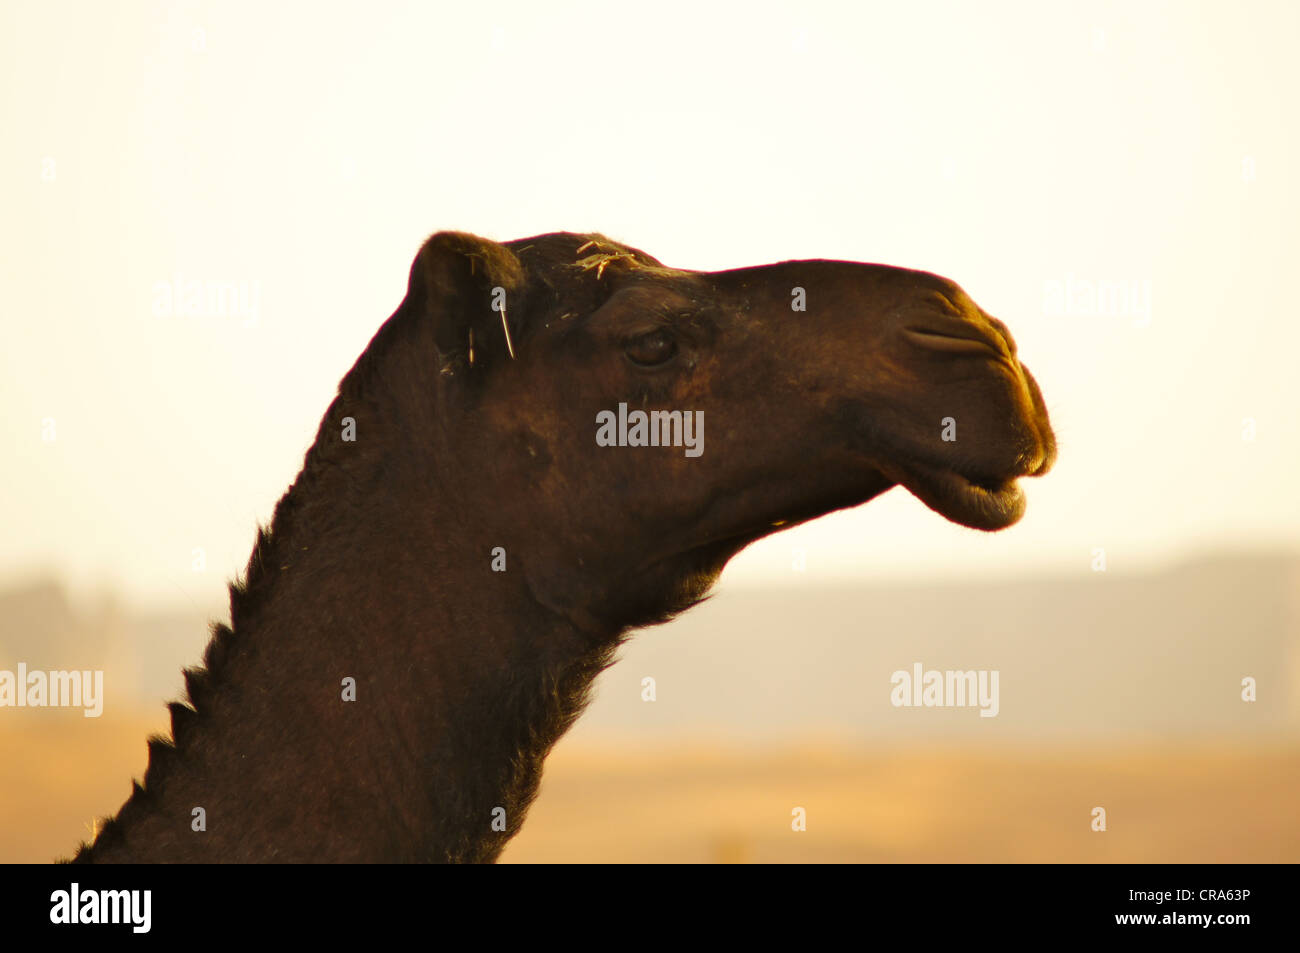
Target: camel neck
382, 656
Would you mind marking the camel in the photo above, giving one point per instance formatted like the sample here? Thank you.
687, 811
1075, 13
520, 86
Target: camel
460, 556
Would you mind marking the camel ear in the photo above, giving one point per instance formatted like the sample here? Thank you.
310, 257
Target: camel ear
467, 287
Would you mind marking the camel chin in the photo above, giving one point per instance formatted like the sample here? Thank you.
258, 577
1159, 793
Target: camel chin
983, 506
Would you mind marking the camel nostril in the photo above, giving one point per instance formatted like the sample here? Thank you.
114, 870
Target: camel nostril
953, 339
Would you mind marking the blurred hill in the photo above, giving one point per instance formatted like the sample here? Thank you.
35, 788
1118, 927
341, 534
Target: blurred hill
142, 652
1088, 657
1098, 655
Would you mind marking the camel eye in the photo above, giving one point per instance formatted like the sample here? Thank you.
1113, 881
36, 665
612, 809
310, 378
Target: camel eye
650, 349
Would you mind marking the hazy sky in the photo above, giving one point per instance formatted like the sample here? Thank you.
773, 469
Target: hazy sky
299, 153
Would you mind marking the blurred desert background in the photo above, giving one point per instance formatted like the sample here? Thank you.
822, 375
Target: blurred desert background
207, 209
1118, 692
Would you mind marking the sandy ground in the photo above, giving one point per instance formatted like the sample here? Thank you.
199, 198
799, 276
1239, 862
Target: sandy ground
926, 804
1211, 802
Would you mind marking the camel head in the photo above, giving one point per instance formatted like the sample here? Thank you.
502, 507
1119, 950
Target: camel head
621, 429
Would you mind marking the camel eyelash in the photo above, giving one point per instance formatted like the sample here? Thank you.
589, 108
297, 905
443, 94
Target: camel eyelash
644, 331
662, 315
654, 319
668, 315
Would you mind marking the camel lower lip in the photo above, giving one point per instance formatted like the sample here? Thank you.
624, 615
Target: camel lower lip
971, 504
